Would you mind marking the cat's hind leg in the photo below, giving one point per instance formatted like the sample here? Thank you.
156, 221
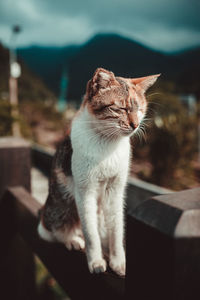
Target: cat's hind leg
45, 234
75, 240
72, 238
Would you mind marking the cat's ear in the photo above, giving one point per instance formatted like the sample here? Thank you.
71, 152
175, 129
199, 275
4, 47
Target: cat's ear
101, 80
145, 82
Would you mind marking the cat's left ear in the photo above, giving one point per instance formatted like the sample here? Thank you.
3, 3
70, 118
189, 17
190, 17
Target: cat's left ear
103, 78
145, 82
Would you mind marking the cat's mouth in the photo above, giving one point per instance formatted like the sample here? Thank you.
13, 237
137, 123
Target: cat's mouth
113, 132
127, 131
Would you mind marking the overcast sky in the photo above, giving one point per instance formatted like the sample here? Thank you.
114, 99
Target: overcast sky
165, 25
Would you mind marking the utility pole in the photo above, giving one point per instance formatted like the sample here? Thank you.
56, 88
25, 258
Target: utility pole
199, 142
15, 72
62, 100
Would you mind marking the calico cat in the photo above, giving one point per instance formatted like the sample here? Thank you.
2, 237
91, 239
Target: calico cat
84, 209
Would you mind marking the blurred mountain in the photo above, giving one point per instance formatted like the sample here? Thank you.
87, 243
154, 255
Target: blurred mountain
188, 78
131, 59
48, 62
123, 56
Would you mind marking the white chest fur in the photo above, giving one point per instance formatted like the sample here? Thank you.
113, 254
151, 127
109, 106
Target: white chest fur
100, 169
114, 163
94, 157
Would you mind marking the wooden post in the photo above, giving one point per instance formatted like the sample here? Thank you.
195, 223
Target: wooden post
163, 248
15, 163
16, 259
13, 89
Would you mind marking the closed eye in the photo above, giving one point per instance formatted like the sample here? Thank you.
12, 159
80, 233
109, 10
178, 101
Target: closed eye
102, 108
118, 109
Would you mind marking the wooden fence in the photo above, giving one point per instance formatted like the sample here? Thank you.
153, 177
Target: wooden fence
162, 239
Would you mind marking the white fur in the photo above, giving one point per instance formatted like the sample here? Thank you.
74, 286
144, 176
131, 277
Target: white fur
44, 233
104, 76
72, 239
140, 115
100, 170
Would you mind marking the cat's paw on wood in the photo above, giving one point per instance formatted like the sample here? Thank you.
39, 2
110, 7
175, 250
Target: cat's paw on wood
76, 243
97, 266
118, 265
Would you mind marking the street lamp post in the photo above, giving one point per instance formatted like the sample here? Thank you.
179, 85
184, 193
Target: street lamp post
15, 72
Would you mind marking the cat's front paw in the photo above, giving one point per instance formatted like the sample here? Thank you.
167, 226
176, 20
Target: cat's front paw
118, 264
97, 266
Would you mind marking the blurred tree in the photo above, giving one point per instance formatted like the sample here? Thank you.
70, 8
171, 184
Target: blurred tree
171, 140
5, 118
163, 154
31, 87
36, 102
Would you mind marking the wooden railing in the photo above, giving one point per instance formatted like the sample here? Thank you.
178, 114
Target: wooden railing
162, 239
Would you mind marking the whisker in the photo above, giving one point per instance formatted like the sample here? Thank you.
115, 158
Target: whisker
151, 110
153, 94
96, 122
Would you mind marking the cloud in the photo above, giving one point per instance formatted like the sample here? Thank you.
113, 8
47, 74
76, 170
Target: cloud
45, 28
161, 24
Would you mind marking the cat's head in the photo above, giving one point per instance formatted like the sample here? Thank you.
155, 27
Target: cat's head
117, 101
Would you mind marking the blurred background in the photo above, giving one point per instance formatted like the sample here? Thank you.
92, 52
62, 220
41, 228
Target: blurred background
49, 49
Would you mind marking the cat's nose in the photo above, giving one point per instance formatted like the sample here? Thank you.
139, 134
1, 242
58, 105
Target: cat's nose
133, 125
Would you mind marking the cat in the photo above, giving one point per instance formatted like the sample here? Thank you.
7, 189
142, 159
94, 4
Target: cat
85, 206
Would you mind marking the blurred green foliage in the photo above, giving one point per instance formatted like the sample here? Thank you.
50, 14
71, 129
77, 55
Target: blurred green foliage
36, 101
30, 86
5, 118
48, 288
31, 114
36, 111
172, 140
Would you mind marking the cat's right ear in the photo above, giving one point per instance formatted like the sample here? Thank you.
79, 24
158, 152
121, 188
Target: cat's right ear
145, 82
101, 80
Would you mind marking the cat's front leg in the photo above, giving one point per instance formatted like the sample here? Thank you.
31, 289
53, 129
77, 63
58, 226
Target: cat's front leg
86, 201
114, 217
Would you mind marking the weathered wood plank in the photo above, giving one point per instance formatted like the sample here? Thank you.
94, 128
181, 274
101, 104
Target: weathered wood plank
16, 259
15, 163
42, 159
163, 247
68, 267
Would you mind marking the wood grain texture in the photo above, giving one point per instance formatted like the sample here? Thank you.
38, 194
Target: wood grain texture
68, 267
163, 247
15, 163
16, 258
